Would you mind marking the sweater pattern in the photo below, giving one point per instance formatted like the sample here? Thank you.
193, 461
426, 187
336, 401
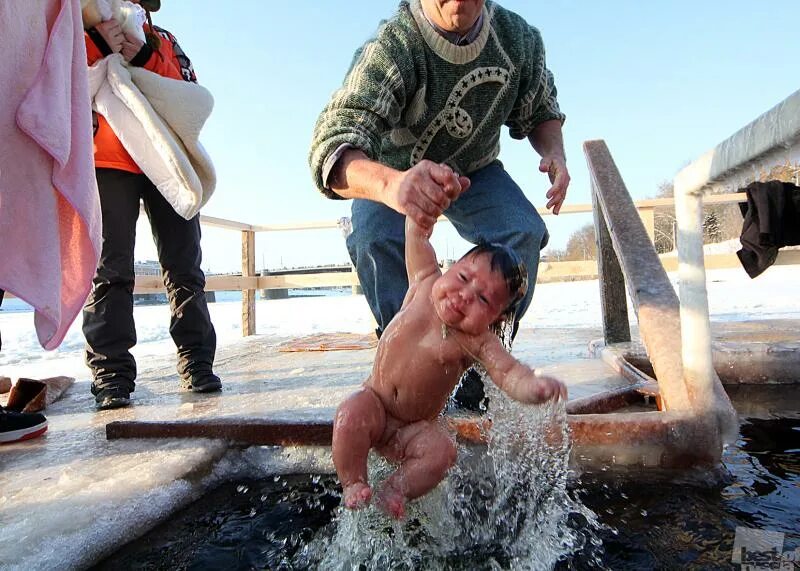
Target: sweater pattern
411, 95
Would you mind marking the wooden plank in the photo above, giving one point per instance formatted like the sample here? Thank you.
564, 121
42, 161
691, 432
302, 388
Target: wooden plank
153, 284
708, 199
248, 295
613, 302
787, 258
650, 290
217, 222
315, 225
567, 269
335, 279
728, 261
223, 223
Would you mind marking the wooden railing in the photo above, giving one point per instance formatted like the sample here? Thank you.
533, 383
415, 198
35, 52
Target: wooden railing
249, 282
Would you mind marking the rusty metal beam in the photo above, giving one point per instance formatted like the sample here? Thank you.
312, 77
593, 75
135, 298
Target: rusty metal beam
668, 440
249, 431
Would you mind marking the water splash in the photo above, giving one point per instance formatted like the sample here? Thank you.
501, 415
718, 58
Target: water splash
504, 505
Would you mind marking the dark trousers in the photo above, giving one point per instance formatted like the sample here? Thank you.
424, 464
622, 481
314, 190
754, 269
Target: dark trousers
108, 314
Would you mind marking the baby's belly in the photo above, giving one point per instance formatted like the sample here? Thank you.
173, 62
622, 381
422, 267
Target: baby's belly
412, 401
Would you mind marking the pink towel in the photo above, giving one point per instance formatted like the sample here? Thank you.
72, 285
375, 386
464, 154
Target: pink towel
50, 225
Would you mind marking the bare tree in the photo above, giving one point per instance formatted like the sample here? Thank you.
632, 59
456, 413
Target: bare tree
581, 244
720, 221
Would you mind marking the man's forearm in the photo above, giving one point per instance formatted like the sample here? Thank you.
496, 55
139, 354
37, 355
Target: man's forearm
357, 176
547, 139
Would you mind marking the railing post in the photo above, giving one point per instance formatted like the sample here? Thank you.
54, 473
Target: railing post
613, 302
248, 295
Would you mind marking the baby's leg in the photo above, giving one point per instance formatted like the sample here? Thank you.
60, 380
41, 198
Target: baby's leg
428, 452
358, 425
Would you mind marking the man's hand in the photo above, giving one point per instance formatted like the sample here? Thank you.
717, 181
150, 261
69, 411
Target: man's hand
556, 169
131, 45
547, 140
111, 32
424, 191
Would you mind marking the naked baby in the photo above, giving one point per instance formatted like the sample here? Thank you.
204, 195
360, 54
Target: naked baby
442, 328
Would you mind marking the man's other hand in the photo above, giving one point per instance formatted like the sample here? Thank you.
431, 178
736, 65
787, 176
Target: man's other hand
556, 169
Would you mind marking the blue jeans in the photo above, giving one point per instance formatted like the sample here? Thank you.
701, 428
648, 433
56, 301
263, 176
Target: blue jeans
493, 209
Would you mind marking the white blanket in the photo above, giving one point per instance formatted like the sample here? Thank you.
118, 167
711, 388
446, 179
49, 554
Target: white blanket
158, 121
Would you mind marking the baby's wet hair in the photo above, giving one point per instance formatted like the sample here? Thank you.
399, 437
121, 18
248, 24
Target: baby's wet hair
508, 264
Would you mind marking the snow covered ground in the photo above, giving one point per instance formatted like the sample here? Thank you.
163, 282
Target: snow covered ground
732, 296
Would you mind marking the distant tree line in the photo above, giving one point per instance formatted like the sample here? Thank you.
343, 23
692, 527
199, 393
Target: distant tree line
720, 222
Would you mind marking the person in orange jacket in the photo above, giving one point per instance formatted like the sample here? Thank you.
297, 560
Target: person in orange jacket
108, 323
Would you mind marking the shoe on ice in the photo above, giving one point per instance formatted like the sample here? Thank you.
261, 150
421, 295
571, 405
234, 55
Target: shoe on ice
17, 426
203, 383
112, 397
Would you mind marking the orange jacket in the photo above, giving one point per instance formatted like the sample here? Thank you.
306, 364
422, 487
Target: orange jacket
169, 61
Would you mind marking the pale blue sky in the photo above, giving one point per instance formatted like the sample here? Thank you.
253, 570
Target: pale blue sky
661, 82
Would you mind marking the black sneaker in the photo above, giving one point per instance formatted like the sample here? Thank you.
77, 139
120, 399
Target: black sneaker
112, 397
203, 383
469, 395
18, 426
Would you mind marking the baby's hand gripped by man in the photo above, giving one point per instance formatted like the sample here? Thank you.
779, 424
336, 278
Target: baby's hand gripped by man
424, 191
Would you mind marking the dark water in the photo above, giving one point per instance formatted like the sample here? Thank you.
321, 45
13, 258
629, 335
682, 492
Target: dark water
661, 521
691, 522
256, 524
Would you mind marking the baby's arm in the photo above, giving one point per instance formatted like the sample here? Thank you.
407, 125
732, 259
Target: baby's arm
517, 380
420, 257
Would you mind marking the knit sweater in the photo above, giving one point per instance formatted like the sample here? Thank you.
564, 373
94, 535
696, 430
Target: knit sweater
412, 95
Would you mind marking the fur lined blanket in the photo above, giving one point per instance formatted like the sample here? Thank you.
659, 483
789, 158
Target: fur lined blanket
158, 121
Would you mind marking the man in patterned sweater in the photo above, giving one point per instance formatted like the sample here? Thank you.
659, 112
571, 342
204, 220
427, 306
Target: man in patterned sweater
417, 122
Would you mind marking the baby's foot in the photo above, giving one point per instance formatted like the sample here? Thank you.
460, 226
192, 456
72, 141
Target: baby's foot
357, 496
393, 503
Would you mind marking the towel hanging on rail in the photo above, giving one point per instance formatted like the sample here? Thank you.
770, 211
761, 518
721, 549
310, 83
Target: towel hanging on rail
771, 221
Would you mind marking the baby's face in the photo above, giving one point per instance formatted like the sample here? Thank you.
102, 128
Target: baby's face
470, 296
